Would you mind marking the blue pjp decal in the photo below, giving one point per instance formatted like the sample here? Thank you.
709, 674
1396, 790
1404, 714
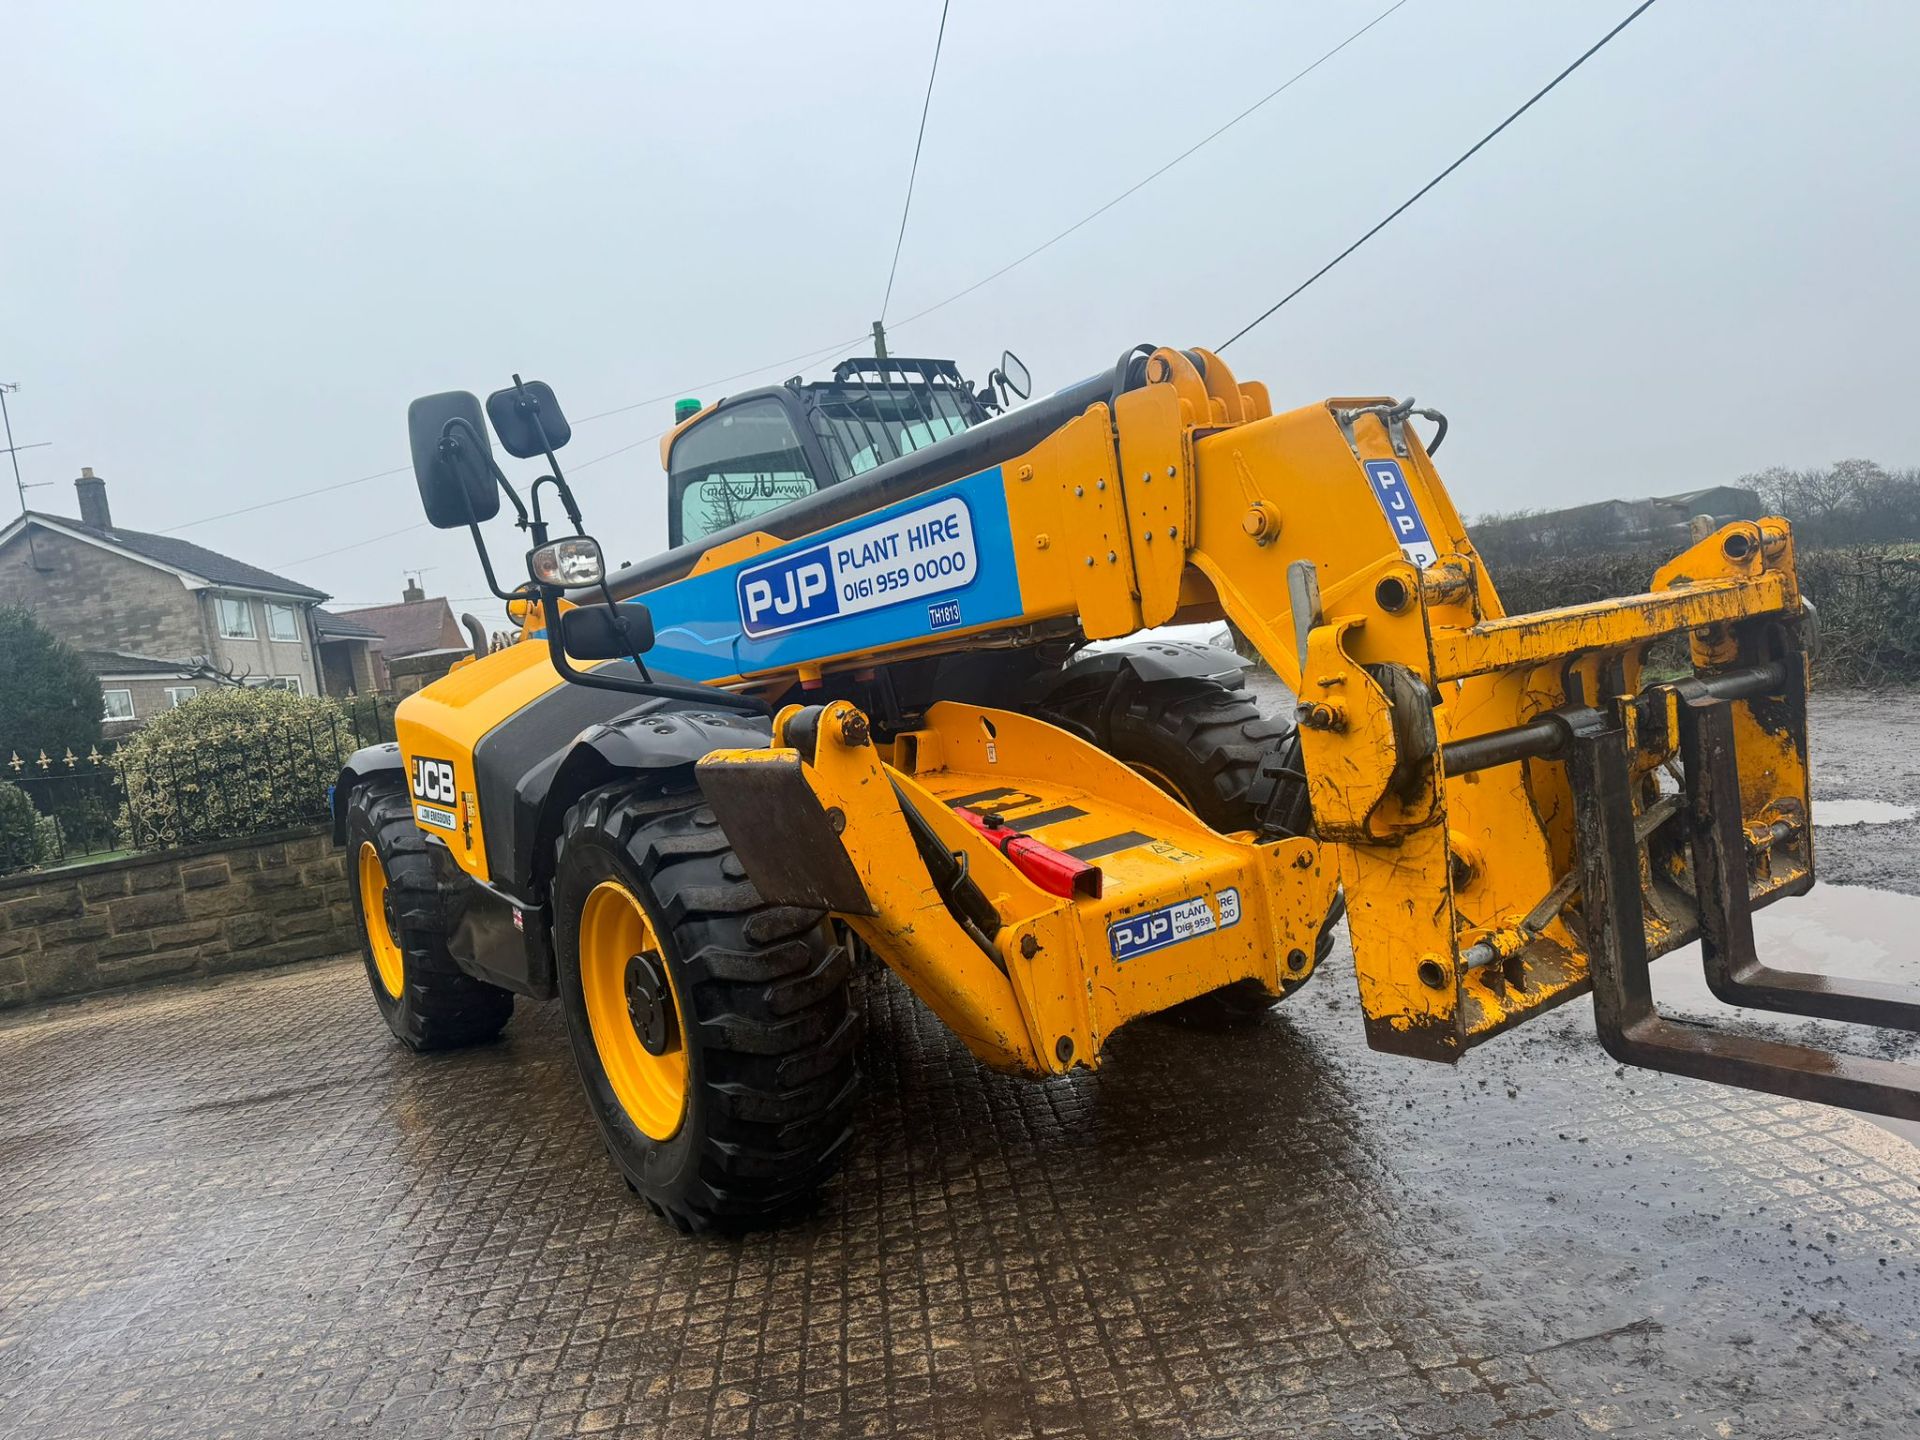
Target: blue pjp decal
908, 556
1156, 929
1402, 511
891, 575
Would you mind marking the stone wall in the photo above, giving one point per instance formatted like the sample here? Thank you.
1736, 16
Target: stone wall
201, 911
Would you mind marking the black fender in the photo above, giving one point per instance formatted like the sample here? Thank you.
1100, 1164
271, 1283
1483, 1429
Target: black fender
649, 742
362, 765
1097, 672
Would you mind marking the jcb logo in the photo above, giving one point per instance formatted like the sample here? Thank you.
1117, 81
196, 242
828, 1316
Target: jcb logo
433, 780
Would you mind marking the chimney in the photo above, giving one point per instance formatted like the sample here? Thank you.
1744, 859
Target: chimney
93, 500
412, 594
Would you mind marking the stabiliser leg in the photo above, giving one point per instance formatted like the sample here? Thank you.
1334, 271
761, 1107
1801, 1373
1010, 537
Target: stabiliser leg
1615, 923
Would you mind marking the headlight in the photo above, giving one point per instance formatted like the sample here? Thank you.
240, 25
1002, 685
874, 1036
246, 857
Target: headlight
568, 563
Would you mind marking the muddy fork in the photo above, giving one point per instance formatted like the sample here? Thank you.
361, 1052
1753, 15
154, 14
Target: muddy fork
1630, 1028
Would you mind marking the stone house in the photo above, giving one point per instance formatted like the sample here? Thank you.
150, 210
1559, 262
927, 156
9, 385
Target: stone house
158, 617
349, 656
419, 640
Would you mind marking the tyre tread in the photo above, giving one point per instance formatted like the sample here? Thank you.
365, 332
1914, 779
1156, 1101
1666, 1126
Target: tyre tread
772, 1009
441, 1007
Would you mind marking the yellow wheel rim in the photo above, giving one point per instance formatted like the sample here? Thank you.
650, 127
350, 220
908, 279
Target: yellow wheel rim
632, 1010
387, 958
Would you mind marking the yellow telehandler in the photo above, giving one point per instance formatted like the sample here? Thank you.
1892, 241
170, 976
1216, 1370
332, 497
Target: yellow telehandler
857, 706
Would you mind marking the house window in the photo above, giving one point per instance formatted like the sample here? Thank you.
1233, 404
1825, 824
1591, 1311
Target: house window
282, 623
118, 705
178, 695
236, 619
289, 683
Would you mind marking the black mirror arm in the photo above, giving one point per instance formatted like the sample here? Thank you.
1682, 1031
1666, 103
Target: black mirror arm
698, 694
486, 565
506, 488
458, 431
473, 526
546, 445
566, 500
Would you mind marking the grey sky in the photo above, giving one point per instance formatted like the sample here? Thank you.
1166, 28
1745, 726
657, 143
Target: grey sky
237, 239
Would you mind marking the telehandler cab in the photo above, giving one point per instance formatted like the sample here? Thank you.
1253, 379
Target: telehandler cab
853, 707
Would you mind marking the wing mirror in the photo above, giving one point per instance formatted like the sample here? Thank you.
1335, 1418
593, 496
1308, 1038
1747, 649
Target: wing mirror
606, 632
526, 416
1011, 377
452, 460
1015, 375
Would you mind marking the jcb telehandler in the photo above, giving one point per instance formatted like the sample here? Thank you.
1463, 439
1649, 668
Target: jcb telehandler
851, 708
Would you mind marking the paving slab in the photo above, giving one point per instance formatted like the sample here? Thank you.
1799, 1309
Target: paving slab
240, 1209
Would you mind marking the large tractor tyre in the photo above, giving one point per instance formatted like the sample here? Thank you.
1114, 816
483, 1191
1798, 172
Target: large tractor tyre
425, 998
1199, 741
714, 1032
1209, 747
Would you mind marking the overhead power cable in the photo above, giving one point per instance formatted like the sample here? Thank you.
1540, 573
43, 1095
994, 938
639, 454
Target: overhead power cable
422, 525
803, 356
800, 359
1414, 198
369, 540
843, 345
284, 499
926, 105
1141, 184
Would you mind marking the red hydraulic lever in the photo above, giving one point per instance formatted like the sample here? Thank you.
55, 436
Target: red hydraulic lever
1054, 871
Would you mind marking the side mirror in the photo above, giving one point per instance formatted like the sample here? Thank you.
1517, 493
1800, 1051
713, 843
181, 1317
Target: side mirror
1015, 375
606, 632
452, 461
526, 416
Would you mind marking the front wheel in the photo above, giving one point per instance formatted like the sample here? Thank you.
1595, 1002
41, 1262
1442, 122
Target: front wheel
426, 999
714, 1033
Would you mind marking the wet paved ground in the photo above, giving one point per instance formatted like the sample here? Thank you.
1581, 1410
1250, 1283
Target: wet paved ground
241, 1210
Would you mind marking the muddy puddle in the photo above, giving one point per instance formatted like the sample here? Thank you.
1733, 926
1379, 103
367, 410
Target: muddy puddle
1844, 814
1849, 931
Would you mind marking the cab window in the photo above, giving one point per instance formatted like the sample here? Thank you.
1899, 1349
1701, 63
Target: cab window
732, 466
862, 427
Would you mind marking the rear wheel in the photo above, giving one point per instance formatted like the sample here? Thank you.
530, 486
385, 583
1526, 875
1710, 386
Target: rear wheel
1200, 742
714, 1032
426, 999
1210, 748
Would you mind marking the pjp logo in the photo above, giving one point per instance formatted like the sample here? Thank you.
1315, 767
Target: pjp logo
1402, 511
786, 593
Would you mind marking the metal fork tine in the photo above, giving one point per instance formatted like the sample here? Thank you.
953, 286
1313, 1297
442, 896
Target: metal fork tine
1735, 972
1632, 1031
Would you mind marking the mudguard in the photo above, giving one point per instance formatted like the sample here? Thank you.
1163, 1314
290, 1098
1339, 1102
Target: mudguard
363, 764
1144, 660
647, 741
